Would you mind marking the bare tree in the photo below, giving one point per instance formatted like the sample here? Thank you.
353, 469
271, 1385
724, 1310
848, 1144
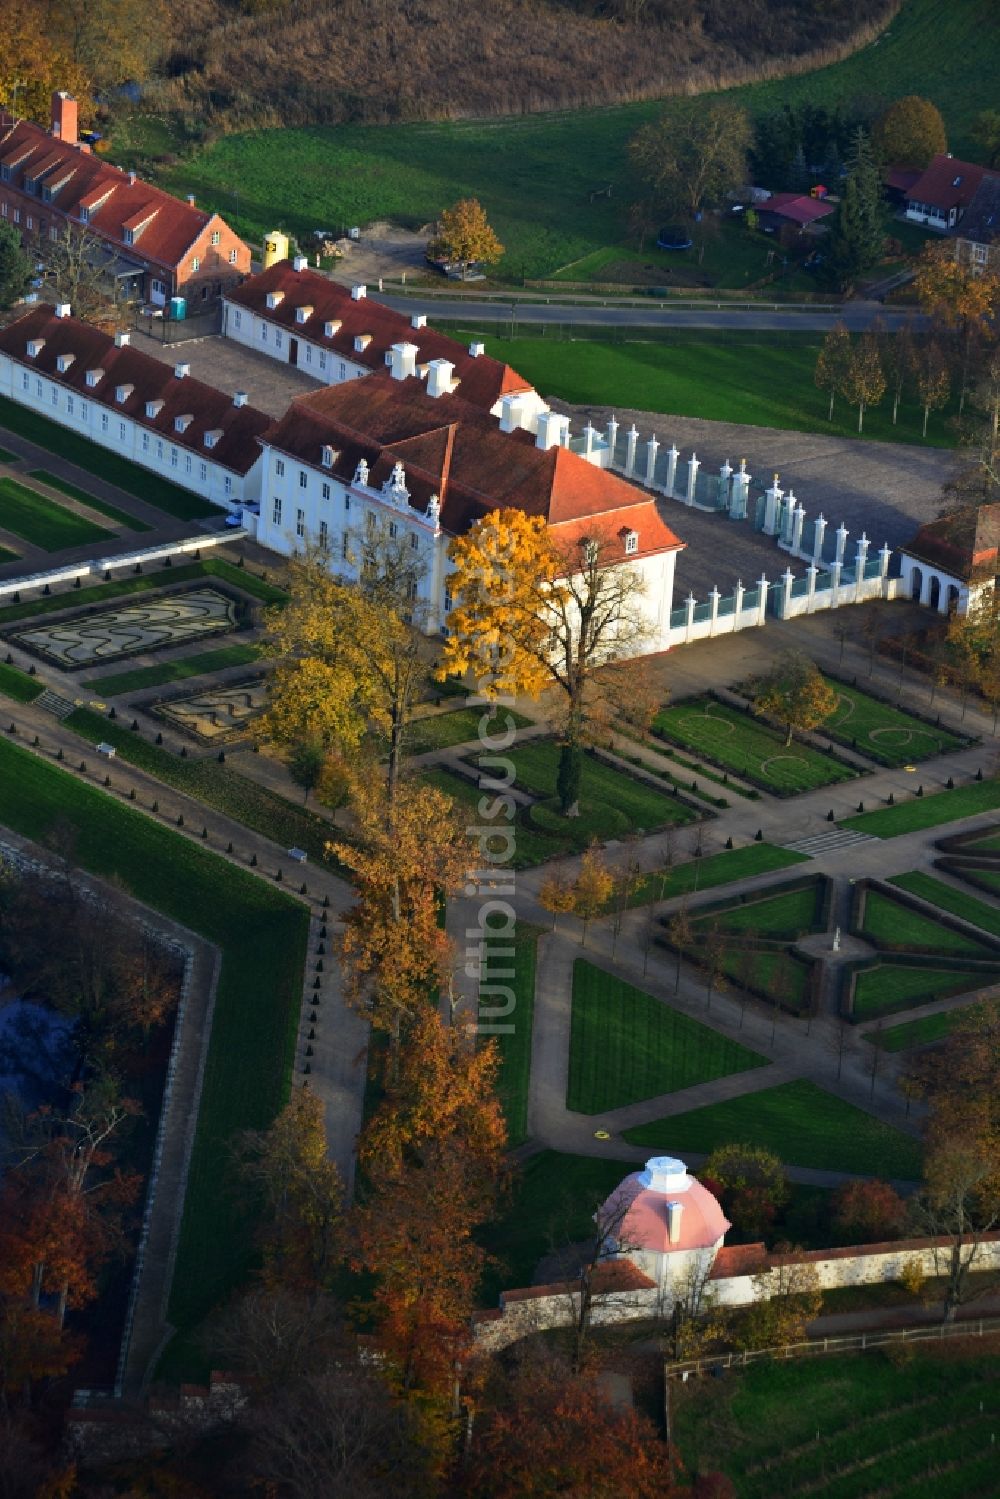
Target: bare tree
76, 273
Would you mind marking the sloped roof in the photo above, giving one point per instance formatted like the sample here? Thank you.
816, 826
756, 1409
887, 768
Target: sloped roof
237, 447
963, 545
482, 380
457, 451
981, 220
642, 1213
947, 183
121, 198
800, 208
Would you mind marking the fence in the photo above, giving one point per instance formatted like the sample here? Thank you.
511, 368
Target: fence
102, 567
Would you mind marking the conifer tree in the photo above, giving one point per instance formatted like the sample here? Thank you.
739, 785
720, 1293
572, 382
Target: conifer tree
855, 242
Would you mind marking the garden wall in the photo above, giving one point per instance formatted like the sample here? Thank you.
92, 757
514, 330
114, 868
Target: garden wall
99, 566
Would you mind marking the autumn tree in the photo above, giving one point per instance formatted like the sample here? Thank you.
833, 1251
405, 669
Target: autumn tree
593, 888
306, 763
910, 133
76, 274
464, 236
556, 894
111, 41
896, 351
750, 1182
16, 267
274, 1335
864, 379
692, 157
787, 1298
832, 363
34, 61
867, 1211
680, 935
796, 693
532, 612
963, 303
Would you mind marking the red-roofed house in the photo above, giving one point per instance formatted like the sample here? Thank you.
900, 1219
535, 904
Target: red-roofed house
304, 319
799, 209
943, 192
666, 1223
101, 388
157, 246
953, 562
390, 452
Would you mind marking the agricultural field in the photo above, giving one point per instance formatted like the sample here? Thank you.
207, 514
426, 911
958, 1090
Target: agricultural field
626, 1046
850, 1426
883, 733
928, 811
42, 522
120, 517
740, 743
800, 1122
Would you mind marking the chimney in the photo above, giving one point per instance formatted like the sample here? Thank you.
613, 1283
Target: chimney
131, 179
63, 309
300, 263
358, 293
403, 360
418, 320
190, 198
477, 349
550, 429
511, 412
180, 370
439, 377
674, 1213
240, 398
65, 119
121, 340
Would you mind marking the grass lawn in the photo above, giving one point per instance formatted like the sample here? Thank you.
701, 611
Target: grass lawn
97, 460
717, 869
120, 517
889, 921
849, 1426
803, 1124
41, 521
888, 987
262, 934
988, 845
950, 899
515, 1046
770, 974
626, 1046
78, 598
246, 801
884, 733
460, 726
786, 913
928, 811
173, 671
530, 846
534, 172
743, 744
19, 685
914, 1032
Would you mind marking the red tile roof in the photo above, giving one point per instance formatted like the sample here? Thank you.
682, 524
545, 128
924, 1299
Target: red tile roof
739, 1259
947, 183
29, 151
236, 449
610, 1275
458, 452
965, 545
482, 380
798, 207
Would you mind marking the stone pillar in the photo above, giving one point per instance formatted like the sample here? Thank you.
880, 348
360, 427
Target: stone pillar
652, 448
741, 493
672, 457
786, 592
841, 544
689, 604
818, 537
762, 603
811, 572
725, 474
713, 606
860, 559
835, 584
772, 501
588, 441
798, 521
694, 464
631, 439
787, 518
612, 438
738, 601
884, 557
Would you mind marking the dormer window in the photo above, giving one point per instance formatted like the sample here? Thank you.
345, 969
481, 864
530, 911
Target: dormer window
128, 236
303, 314
631, 543
331, 326
330, 455
63, 362
211, 438
35, 347
122, 393
84, 215
153, 408
93, 376
275, 299
361, 342
181, 423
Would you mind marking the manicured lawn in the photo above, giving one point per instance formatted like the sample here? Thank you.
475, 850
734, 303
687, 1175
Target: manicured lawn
849, 1426
888, 987
246, 801
771, 974
627, 1046
19, 685
78, 598
882, 732
928, 811
786, 913
989, 844
120, 517
529, 846
743, 744
803, 1124
515, 1046
889, 921
41, 521
97, 460
914, 1032
173, 671
950, 899
460, 726
717, 869
262, 935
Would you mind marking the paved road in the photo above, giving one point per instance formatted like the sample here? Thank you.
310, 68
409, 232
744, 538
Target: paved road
857, 315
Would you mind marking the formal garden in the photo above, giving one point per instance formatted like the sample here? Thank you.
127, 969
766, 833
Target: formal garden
740, 743
883, 732
43, 522
86, 639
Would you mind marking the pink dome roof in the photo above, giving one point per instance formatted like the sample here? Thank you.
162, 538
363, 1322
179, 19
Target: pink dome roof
664, 1209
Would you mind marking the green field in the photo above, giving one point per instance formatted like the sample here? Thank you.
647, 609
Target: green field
882, 732
928, 811
515, 1046
262, 935
97, 460
949, 899
42, 522
717, 869
849, 1427
741, 743
923, 1032
174, 671
889, 987
626, 1046
120, 517
891, 923
786, 913
534, 173
803, 1124
459, 726
19, 685
101, 593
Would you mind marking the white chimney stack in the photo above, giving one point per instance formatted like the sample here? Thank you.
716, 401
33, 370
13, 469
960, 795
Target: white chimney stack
191, 200
240, 398
403, 360
675, 1211
440, 373
418, 320
300, 263
63, 310
131, 179
551, 427
358, 293
121, 339
477, 349
182, 370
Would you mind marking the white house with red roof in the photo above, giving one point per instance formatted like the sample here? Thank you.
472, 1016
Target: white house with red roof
100, 387
943, 191
667, 1223
412, 456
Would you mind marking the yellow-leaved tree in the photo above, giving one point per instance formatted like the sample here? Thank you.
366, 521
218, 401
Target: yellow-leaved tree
531, 613
464, 236
962, 301
796, 693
